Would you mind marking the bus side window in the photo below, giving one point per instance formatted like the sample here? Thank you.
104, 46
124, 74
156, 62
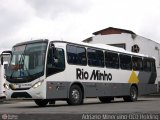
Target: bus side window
95, 57
125, 62
146, 65
153, 66
137, 63
111, 60
76, 55
55, 61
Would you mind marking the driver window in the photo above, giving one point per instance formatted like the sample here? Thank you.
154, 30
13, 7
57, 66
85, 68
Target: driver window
55, 61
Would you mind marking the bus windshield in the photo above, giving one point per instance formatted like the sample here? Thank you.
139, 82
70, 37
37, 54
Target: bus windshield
27, 61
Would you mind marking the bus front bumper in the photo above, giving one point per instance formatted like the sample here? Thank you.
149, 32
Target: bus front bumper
31, 93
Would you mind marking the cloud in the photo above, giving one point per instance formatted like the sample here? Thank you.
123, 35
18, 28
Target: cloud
55, 19
54, 8
26, 19
12, 18
22, 20
150, 27
141, 17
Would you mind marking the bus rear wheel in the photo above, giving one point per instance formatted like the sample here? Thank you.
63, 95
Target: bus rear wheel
133, 95
75, 95
106, 99
41, 102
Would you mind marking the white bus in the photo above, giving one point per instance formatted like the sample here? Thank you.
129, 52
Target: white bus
46, 71
4, 56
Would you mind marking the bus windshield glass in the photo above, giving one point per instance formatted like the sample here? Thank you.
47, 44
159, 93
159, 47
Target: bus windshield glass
27, 61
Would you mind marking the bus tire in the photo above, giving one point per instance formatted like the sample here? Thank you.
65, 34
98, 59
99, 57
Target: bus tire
75, 95
106, 99
133, 95
41, 102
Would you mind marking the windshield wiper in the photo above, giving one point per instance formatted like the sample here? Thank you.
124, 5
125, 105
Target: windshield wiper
11, 74
21, 62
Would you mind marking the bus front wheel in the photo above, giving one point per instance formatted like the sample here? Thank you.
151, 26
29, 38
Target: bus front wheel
133, 95
41, 102
75, 95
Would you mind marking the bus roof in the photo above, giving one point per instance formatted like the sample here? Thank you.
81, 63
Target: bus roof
97, 46
31, 41
104, 47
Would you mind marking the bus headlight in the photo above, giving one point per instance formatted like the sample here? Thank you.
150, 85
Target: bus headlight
37, 84
6, 86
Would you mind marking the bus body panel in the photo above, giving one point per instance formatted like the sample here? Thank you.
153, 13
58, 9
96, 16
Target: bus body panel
57, 90
2, 81
145, 89
4, 57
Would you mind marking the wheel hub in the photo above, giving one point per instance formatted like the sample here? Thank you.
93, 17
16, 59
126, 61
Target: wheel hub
75, 95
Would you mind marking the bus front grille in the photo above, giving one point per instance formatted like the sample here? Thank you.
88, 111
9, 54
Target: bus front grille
21, 95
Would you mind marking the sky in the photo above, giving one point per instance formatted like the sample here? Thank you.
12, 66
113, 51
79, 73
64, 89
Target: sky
75, 20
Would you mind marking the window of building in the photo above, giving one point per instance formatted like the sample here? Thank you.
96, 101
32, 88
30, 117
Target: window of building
111, 60
76, 55
125, 62
95, 57
120, 45
135, 48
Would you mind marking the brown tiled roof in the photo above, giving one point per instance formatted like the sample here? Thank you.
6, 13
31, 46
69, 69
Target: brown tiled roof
112, 30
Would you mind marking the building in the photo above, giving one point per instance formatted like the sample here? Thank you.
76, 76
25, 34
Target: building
128, 40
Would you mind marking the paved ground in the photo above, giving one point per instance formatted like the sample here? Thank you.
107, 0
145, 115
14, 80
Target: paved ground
149, 105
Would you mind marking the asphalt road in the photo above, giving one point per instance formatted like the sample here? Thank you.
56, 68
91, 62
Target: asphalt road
149, 105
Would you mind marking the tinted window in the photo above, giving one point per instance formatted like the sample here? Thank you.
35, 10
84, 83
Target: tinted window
125, 62
149, 65
76, 55
137, 63
146, 64
55, 61
111, 60
95, 57
153, 66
